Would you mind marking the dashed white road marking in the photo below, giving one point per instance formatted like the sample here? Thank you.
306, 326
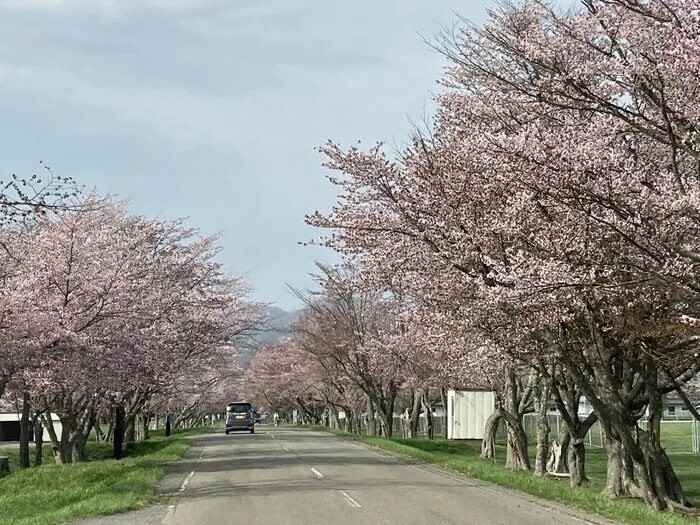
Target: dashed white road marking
285, 448
349, 499
316, 472
201, 456
187, 481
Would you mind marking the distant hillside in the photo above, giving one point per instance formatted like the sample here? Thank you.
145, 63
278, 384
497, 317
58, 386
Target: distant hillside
280, 321
279, 326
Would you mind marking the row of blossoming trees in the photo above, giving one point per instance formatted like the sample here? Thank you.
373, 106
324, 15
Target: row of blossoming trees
110, 319
542, 236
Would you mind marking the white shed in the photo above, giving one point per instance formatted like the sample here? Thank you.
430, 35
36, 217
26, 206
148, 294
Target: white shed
9, 427
467, 412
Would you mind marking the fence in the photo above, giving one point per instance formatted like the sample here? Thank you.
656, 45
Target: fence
398, 428
677, 436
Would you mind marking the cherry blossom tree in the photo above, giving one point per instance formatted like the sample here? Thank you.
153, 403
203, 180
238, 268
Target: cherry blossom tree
552, 210
282, 377
349, 328
111, 308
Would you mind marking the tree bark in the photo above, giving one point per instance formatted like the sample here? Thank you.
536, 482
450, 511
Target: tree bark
415, 413
371, 425
25, 432
425, 401
576, 462
517, 457
130, 431
119, 416
491, 427
558, 461
99, 434
541, 399
55, 443
38, 439
168, 429
146, 430
65, 445
443, 398
79, 449
620, 471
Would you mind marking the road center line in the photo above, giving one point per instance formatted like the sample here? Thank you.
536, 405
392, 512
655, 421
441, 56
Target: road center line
349, 499
187, 481
316, 472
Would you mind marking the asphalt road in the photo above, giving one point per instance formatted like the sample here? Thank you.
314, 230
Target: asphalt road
290, 476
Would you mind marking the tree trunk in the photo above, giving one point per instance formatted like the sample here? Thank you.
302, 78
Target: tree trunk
491, 427
555, 458
130, 432
541, 399
415, 413
146, 431
55, 443
168, 429
576, 461
663, 477
637, 465
65, 446
119, 416
99, 435
25, 432
620, 474
384, 408
371, 424
79, 450
443, 398
558, 462
425, 400
517, 457
38, 439
111, 418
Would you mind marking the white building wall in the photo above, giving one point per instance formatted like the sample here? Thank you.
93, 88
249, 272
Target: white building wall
13, 416
467, 413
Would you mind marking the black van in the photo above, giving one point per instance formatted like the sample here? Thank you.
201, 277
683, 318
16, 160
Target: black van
239, 416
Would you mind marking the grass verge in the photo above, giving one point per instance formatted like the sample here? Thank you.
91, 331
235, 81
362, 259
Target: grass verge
463, 456
53, 494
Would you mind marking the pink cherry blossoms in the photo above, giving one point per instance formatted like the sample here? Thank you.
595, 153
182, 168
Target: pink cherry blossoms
103, 310
542, 236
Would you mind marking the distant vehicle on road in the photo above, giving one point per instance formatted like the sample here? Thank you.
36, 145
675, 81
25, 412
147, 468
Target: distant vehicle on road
240, 416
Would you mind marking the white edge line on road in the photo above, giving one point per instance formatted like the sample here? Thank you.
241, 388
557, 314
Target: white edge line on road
187, 481
316, 472
201, 456
271, 435
351, 501
169, 514
285, 448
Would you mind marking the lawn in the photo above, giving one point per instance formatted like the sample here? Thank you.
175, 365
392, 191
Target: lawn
463, 456
54, 494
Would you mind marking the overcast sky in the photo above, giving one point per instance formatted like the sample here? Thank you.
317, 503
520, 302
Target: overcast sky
211, 109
